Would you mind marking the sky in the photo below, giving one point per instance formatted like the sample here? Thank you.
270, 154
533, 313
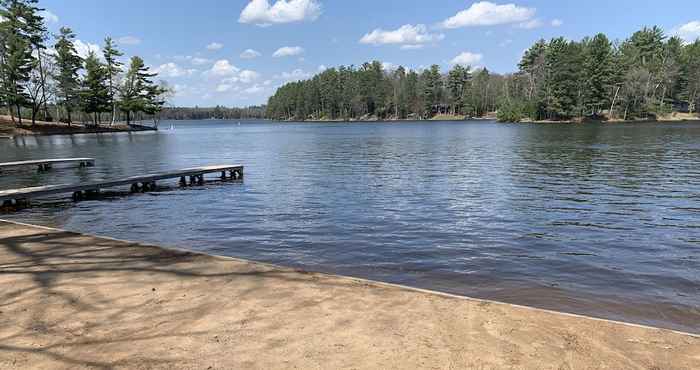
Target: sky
237, 52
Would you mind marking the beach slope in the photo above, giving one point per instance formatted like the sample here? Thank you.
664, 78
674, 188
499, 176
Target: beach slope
71, 301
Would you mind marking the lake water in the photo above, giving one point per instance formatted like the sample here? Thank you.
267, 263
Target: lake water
601, 220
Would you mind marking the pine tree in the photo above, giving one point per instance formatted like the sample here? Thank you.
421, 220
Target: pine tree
137, 91
17, 60
68, 63
113, 68
561, 83
38, 35
598, 73
457, 78
94, 92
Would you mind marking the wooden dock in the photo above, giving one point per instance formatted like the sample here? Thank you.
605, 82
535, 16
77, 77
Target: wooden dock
46, 164
21, 197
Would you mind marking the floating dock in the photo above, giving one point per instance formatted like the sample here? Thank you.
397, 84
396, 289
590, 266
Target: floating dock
46, 164
22, 197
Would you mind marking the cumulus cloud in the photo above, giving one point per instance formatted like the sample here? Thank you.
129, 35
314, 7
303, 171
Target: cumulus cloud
388, 66
255, 89
223, 68
200, 61
689, 32
557, 22
225, 87
215, 46
245, 76
294, 75
48, 16
467, 59
288, 51
250, 54
486, 13
84, 48
129, 40
261, 13
173, 70
407, 34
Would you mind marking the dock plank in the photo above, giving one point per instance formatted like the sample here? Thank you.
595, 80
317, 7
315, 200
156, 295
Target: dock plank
42, 191
44, 162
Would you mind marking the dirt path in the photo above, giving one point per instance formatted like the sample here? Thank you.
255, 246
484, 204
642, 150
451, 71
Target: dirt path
69, 301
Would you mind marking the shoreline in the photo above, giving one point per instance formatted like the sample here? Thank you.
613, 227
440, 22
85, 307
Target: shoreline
130, 301
477, 119
10, 130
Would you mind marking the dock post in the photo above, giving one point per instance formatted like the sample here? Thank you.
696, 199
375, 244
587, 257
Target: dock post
183, 181
192, 180
134, 188
201, 180
77, 196
223, 175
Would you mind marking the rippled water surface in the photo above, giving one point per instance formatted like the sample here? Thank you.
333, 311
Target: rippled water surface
594, 219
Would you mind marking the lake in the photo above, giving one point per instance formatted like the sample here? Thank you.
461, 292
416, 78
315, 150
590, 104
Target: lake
602, 220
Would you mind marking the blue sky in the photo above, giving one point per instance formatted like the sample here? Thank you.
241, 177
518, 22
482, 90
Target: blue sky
198, 46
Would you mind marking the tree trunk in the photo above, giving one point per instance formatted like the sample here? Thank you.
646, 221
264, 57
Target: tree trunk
12, 113
19, 113
612, 106
43, 88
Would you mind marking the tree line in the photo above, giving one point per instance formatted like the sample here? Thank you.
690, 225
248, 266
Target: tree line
217, 112
42, 75
648, 74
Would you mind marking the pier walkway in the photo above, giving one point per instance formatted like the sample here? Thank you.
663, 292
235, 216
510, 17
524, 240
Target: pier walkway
141, 183
46, 164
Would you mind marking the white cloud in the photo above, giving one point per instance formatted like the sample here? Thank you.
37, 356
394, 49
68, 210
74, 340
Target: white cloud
531, 24
215, 46
48, 16
388, 66
255, 89
689, 32
225, 87
223, 68
407, 34
261, 13
288, 51
486, 13
250, 54
557, 22
129, 40
200, 61
322, 68
467, 59
84, 48
294, 75
173, 70
248, 76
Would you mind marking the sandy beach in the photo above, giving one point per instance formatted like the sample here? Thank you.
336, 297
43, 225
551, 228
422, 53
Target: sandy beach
72, 301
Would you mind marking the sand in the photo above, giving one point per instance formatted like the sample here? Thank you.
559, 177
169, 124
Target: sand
72, 301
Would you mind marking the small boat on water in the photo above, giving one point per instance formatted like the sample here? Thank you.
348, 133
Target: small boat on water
5, 137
